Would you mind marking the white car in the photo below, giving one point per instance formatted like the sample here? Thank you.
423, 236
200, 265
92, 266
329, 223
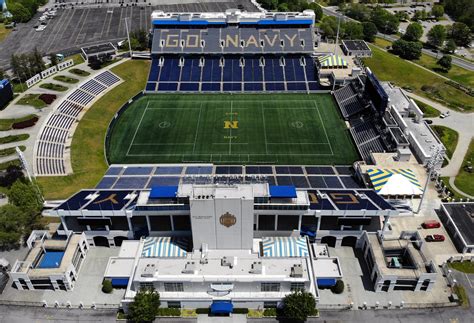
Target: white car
41, 28
43, 18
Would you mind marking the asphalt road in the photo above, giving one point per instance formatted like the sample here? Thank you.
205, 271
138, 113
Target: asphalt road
456, 61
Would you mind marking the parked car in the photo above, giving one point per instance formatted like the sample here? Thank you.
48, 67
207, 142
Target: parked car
41, 28
435, 238
428, 121
431, 224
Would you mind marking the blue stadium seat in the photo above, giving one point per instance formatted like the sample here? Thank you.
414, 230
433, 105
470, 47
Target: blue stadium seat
310, 70
175, 70
154, 71
289, 70
227, 73
186, 70
232, 87
299, 70
195, 70
296, 86
165, 86
313, 86
151, 86
236, 71
253, 86
268, 70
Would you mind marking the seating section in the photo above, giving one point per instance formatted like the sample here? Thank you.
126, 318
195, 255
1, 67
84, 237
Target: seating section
348, 100
51, 145
367, 138
232, 73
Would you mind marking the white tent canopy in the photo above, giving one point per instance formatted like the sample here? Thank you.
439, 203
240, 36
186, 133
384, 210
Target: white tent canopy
398, 184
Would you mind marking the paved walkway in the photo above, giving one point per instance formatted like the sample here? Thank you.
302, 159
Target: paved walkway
463, 123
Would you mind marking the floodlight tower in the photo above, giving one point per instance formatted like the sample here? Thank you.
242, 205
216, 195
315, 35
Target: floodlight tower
433, 164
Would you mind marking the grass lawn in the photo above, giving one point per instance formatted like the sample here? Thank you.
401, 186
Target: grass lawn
428, 110
3, 32
77, 59
448, 137
33, 100
5, 165
53, 87
6, 124
88, 160
14, 138
464, 266
79, 72
66, 79
275, 129
392, 68
455, 195
463, 298
19, 87
465, 180
456, 73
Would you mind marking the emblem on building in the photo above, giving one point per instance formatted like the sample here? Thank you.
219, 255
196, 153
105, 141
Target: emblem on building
227, 219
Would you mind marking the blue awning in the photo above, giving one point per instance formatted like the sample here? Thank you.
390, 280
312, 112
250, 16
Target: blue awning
163, 192
120, 282
326, 282
282, 191
221, 307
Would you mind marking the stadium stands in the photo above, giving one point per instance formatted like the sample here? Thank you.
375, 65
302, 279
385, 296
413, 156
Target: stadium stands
349, 101
50, 149
232, 52
367, 138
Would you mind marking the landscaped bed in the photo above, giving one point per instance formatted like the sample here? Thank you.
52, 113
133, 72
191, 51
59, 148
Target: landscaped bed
10, 151
53, 87
448, 137
7, 124
79, 72
66, 79
428, 110
13, 138
465, 179
47, 98
32, 100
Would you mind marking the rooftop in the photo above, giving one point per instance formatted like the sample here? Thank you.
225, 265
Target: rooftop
463, 217
355, 45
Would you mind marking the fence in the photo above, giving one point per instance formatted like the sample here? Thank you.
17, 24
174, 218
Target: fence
48, 72
61, 305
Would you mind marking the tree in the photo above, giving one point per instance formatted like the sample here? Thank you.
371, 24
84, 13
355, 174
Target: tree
370, 31
338, 288
384, 20
402, 16
414, 32
445, 62
25, 196
358, 12
2, 74
107, 286
12, 221
12, 174
450, 46
329, 26
318, 11
437, 11
407, 49
353, 30
436, 35
299, 305
461, 11
19, 12
460, 33
145, 305
53, 59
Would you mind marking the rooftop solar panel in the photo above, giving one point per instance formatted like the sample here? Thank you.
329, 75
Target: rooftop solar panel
259, 170
317, 182
135, 182
271, 180
106, 182
198, 170
344, 170
300, 181
332, 182
282, 170
163, 181
137, 170
168, 170
284, 180
320, 170
295, 170
349, 182
229, 170
114, 171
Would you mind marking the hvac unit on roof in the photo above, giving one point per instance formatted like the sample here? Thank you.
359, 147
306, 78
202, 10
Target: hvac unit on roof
149, 270
189, 268
297, 271
228, 262
256, 268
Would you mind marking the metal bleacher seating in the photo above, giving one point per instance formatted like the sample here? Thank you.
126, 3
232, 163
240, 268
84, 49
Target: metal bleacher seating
232, 73
348, 100
367, 138
51, 144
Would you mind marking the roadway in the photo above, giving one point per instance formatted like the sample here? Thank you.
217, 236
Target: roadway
330, 11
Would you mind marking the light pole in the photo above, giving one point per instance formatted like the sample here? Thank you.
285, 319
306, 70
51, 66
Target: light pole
432, 164
128, 37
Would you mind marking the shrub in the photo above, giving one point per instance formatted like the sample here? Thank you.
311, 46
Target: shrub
338, 288
169, 312
107, 286
298, 305
47, 98
25, 124
202, 310
270, 312
240, 311
54, 87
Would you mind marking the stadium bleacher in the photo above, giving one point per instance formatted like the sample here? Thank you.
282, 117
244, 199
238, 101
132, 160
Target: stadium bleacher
348, 100
51, 147
367, 138
232, 52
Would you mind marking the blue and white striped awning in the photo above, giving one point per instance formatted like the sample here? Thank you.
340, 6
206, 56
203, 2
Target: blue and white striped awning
164, 247
284, 247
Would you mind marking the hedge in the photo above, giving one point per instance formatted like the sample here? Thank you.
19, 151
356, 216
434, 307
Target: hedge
202, 310
270, 312
169, 312
338, 288
238, 310
47, 98
25, 124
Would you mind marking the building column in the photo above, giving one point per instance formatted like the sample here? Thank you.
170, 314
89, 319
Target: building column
148, 223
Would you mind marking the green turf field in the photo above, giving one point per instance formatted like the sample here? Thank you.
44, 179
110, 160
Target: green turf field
244, 129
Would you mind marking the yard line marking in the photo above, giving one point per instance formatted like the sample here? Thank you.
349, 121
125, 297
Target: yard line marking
324, 128
197, 127
264, 127
138, 127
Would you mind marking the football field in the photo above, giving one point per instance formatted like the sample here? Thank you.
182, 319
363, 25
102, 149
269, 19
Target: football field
232, 129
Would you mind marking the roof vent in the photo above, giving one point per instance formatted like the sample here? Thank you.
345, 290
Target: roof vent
228, 262
189, 268
149, 270
256, 268
297, 271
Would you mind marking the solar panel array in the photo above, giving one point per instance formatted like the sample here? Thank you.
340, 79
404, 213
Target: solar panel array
140, 177
232, 73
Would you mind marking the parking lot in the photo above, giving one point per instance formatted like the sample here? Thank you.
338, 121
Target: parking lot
359, 289
87, 289
75, 28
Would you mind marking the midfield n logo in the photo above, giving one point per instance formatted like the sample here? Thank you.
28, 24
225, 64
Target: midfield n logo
231, 125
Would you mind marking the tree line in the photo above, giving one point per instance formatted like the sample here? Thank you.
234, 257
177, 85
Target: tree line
24, 10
